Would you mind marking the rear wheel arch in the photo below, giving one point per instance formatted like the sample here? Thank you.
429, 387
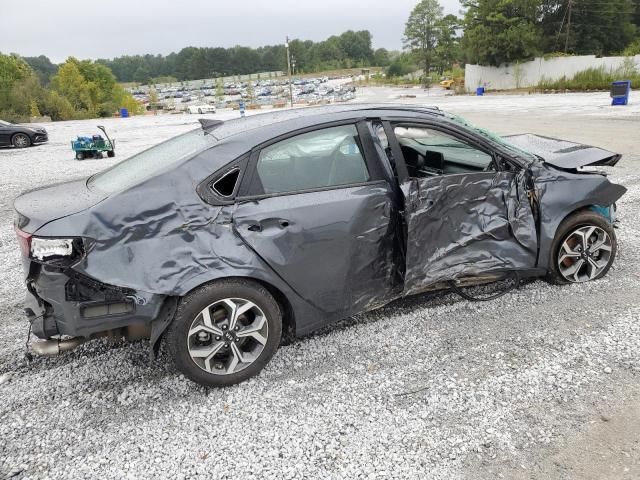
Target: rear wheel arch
228, 352
286, 308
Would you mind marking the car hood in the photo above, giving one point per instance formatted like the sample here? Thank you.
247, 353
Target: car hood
38, 207
564, 154
30, 126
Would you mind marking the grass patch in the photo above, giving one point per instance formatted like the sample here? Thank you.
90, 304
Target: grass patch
595, 78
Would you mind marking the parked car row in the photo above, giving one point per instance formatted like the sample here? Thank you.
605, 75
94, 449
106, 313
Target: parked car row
271, 90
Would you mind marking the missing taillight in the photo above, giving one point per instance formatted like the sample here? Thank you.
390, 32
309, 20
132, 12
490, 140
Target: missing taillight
24, 240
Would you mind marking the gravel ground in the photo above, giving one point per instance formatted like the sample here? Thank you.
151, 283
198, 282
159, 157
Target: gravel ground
429, 387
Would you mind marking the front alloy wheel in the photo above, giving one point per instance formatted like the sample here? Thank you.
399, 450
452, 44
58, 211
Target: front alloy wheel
585, 254
583, 249
20, 140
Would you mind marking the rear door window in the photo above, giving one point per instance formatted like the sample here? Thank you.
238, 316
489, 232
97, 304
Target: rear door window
324, 158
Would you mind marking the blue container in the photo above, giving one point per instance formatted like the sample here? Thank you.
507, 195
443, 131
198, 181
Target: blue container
480, 91
124, 113
620, 92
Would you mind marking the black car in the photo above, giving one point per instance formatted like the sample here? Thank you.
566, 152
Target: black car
21, 136
230, 238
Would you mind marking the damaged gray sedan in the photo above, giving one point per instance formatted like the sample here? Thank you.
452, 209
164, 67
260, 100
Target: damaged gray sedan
229, 239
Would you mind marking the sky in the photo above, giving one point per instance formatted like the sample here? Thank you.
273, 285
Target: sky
110, 28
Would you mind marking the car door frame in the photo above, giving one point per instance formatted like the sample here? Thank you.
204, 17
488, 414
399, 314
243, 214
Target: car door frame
377, 178
374, 167
498, 157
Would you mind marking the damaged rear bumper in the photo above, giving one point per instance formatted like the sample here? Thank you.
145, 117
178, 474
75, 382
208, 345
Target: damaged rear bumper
64, 302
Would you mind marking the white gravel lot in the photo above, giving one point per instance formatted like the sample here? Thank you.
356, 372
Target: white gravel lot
430, 387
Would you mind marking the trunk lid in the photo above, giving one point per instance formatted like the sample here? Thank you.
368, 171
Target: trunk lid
563, 153
38, 207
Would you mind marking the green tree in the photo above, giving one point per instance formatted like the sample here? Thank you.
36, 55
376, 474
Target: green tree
381, 57
219, 90
42, 67
34, 110
91, 89
446, 51
401, 65
71, 84
250, 91
12, 70
601, 28
501, 31
57, 107
421, 32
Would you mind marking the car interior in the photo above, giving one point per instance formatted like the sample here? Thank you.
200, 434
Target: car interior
321, 159
430, 153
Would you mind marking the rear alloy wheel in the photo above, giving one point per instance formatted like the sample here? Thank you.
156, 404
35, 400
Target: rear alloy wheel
585, 249
225, 333
20, 140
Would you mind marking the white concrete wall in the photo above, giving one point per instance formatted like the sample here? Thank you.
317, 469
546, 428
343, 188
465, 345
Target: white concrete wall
529, 74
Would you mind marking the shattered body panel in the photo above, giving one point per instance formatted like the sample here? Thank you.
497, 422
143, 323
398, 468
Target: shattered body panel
561, 193
494, 228
326, 253
563, 153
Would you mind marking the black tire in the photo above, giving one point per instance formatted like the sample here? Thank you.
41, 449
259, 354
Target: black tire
111, 154
79, 155
21, 140
177, 337
575, 221
200, 111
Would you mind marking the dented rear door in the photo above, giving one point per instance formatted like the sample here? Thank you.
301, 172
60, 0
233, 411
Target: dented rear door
335, 248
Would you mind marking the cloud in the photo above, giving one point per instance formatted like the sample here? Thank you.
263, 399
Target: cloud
95, 29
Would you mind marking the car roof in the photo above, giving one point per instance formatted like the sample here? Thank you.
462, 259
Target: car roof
256, 129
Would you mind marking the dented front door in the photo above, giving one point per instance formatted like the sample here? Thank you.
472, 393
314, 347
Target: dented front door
466, 225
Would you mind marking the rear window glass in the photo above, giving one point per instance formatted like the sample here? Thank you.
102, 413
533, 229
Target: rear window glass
151, 162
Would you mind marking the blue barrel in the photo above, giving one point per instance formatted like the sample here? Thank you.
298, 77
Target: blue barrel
480, 91
124, 113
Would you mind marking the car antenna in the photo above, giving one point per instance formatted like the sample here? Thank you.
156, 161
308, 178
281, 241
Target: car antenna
209, 125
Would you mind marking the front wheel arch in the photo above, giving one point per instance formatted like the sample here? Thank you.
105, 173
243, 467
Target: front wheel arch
583, 216
21, 134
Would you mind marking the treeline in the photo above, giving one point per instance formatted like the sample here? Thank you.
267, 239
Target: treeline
74, 90
350, 49
492, 32
497, 31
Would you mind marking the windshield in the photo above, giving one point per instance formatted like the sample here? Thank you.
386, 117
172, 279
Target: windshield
151, 162
493, 137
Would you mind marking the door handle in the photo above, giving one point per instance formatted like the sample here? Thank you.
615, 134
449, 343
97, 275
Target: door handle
284, 223
255, 227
